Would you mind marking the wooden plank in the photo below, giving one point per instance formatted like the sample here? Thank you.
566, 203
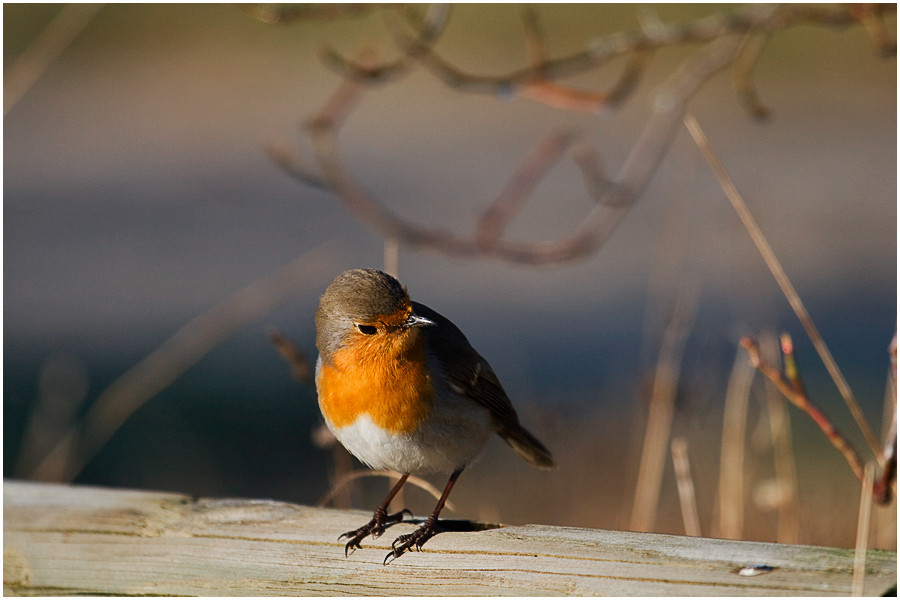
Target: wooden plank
80, 540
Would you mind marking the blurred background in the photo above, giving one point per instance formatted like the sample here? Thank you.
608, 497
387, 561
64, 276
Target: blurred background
138, 195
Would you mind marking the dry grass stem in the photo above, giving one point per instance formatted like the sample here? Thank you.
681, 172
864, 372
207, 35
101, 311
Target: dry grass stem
28, 67
862, 532
662, 407
162, 366
785, 466
783, 281
686, 495
731, 464
63, 386
888, 478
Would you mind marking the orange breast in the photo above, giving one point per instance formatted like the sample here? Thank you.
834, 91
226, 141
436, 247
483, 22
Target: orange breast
382, 376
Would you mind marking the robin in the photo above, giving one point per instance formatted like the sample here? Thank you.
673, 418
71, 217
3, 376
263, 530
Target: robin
401, 388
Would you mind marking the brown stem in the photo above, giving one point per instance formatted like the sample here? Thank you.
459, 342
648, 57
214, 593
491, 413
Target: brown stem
797, 396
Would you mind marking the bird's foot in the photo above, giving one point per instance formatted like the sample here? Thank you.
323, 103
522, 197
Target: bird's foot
414, 540
375, 527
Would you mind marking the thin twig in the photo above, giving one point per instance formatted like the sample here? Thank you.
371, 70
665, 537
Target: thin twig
653, 34
744, 86
798, 398
428, 30
289, 13
292, 163
548, 92
543, 157
783, 281
542, 89
534, 39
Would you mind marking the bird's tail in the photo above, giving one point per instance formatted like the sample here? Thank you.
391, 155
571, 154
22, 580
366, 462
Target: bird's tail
528, 447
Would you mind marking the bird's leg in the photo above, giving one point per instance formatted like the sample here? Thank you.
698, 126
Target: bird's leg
416, 539
379, 519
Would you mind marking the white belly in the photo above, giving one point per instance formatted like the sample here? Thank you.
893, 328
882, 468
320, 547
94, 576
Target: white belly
447, 441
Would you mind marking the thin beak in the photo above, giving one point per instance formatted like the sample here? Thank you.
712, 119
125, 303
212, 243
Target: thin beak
415, 320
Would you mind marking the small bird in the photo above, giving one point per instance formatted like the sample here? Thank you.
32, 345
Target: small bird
401, 388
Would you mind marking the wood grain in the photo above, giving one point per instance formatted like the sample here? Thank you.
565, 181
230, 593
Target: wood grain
61, 540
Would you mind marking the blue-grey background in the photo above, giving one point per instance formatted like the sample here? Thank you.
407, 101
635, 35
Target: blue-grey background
137, 194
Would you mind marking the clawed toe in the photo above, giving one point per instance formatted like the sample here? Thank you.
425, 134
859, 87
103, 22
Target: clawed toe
375, 528
412, 541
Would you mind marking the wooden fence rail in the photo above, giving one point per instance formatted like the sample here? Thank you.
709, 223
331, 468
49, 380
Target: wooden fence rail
60, 540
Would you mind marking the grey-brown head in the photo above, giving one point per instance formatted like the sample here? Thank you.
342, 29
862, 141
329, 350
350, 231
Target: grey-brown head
366, 300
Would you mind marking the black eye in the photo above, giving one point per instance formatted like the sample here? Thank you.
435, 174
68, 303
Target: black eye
366, 329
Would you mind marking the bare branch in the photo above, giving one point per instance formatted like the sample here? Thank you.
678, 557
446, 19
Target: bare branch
653, 34
534, 38
541, 159
735, 36
751, 50
428, 30
552, 94
789, 385
871, 15
293, 164
546, 91
595, 229
593, 174
288, 13
600, 52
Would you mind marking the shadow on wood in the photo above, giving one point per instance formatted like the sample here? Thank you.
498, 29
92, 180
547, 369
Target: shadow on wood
80, 540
